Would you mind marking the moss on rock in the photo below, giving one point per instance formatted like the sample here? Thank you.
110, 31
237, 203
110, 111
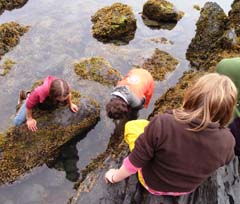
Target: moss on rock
10, 36
160, 64
97, 69
115, 22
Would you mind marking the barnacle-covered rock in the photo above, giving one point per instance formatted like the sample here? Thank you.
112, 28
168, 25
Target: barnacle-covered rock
160, 64
21, 149
112, 23
97, 69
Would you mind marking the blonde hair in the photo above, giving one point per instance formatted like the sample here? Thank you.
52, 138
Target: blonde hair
211, 99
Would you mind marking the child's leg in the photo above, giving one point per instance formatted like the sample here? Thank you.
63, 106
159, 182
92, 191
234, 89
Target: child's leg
20, 118
132, 130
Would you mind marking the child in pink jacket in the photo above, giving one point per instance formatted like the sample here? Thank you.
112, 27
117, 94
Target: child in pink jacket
54, 89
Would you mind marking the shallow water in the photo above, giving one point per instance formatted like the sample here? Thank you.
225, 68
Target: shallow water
60, 34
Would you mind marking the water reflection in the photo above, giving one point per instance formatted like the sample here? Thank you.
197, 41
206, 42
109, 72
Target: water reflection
67, 159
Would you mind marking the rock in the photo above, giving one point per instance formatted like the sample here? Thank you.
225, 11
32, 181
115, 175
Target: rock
10, 5
160, 64
161, 11
22, 149
113, 23
10, 36
97, 69
234, 17
208, 39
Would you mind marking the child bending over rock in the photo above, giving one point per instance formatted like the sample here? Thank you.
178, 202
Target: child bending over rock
131, 94
50, 93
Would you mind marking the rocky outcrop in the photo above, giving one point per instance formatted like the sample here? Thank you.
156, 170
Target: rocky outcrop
113, 23
160, 64
10, 5
208, 39
97, 69
160, 14
10, 34
21, 149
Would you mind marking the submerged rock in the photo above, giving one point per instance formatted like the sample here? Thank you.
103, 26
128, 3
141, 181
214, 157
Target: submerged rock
161, 11
113, 23
208, 39
97, 69
10, 5
10, 36
22, 149
6, 66
160, 64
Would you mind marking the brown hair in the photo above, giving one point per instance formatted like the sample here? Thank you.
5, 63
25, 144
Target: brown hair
117, 108
58, 88
211, 99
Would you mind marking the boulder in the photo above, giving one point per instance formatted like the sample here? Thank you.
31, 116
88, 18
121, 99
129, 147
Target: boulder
21, 149
208, 39
114, 23
161, 11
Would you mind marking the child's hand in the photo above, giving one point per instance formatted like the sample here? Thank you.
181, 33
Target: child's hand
73, 108
32, 124
109, 176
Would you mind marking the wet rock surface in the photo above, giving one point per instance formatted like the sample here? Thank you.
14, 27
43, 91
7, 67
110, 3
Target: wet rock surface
97, 69
160, 64
114, 23
22, 149
10, 5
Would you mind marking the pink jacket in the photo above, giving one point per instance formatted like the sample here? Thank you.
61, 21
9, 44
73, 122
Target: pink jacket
39, 94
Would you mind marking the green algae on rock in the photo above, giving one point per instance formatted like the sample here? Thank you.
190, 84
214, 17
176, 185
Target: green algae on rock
115, 22
10, 5
10, 36
23, 150
161, 11
7, 66
160, 64
97, 69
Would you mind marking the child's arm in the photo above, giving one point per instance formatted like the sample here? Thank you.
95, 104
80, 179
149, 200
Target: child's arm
72, 106
116, 175
126, 170
31, 123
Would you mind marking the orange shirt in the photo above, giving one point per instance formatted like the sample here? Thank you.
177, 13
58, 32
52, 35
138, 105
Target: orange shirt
140, 82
